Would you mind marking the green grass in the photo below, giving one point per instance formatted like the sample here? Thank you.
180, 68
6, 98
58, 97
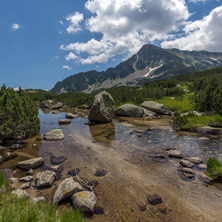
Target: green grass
214, 168
200, 121
13, 209
23, 210
177, 105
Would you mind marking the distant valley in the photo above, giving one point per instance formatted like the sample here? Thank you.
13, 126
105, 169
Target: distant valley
150, 63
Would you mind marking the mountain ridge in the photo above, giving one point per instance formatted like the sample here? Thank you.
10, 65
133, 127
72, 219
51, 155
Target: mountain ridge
150, 63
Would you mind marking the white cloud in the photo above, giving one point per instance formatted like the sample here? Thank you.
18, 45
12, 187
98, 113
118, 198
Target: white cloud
74, 19
125, 25
202, 34
15, 27
66, 67
55, 57
71, 56
61, 22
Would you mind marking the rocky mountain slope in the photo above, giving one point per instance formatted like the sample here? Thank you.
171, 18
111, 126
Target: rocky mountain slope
150, 63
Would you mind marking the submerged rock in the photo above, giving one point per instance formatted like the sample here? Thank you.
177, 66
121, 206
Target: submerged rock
186, 163
57, 159
66, 189
102, 109
154, 199
55, 134
30, 164
156, 107
45, 178
85, 201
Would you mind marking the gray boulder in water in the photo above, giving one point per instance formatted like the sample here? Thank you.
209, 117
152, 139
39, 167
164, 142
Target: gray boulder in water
102, 109
129, 110
156, 107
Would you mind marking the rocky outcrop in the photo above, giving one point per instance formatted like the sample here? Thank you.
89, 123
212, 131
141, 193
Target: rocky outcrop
66, 189
30, 164
56, 134
129, 110
85, 201
102, 109
45, 178
156, 107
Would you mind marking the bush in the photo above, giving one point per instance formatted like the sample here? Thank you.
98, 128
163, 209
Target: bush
1, 178
18, 115
214, 168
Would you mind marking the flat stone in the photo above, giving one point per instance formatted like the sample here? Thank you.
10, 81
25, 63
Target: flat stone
202, 166
206, 179
195, 160
100, 173
186, 163
186, 170
175, 153
26, 179
31, 163
66, 189
26, 185
45, 178
156, 107
64, 121
70, 116
57, 159
154, 199
20, 193
54, 135
16, 146
38, 199
130, 110
85, 201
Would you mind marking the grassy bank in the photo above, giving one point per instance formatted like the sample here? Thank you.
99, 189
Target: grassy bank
13, 209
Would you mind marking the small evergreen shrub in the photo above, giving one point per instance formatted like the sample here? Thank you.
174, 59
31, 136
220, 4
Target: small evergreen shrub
18, 115
214, 168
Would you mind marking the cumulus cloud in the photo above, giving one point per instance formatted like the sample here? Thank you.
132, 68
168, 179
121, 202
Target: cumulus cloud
202, 34
74, 20
125, 25
66, 67
15, 27
71, 56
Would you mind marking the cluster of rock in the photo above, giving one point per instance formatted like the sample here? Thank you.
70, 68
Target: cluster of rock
81, 197
102, 109
187, 163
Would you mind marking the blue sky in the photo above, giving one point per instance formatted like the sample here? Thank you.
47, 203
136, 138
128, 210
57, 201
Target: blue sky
45, 41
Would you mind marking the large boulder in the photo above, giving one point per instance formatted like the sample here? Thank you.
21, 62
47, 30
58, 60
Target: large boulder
85, 201
30, 164
46, 104
57, 105
45, 178
129, 110
102, 109
66, 189
56, 134
156, 107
